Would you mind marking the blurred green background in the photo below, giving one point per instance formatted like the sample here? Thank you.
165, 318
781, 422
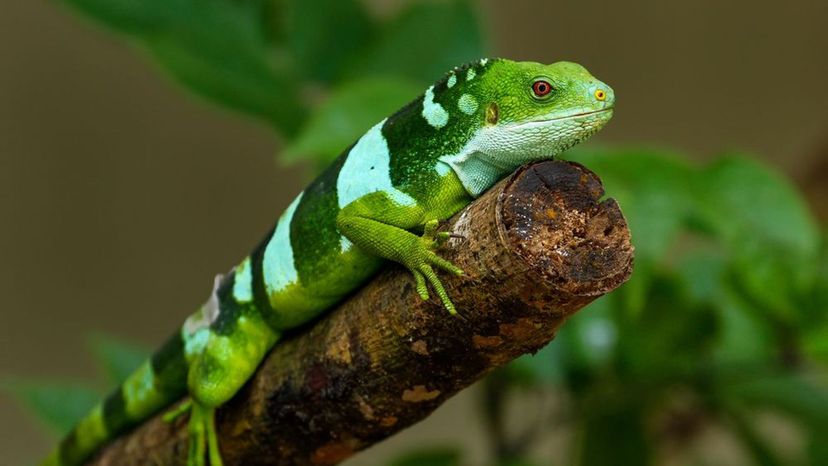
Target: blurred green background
122, 194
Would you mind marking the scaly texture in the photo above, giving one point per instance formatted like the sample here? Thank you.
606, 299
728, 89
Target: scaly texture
536, 248
378, 201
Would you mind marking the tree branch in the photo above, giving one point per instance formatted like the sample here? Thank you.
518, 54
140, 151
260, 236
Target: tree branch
536, 248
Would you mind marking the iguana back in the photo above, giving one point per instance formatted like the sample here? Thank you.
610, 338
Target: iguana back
380, 200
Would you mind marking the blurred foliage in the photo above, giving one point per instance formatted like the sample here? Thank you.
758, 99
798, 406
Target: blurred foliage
56, 404
344, 116
723, 321
117, 359
299, 65
444, 456
59, 404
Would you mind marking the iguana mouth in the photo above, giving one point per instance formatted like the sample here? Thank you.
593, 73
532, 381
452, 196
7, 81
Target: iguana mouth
566, 117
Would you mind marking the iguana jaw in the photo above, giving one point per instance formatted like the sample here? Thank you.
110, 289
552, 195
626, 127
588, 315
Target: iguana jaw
575, 116
496, 150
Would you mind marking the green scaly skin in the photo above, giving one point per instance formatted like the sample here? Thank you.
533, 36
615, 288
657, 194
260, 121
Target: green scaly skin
381, 200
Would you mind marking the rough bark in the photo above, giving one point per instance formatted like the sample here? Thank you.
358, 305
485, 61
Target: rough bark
536, 248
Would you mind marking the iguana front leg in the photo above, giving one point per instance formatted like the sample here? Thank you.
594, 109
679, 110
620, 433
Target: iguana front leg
380, 225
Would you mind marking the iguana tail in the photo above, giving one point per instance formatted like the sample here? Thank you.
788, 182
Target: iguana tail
158, 383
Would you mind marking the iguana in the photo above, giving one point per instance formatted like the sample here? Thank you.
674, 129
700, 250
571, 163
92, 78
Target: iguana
381, 200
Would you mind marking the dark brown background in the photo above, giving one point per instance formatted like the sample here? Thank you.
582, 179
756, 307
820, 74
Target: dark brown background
121, 197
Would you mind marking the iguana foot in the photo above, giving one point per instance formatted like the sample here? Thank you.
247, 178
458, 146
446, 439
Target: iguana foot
178, 411
422, 260
202, 436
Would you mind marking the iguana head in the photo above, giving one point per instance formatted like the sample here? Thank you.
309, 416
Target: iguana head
523, 111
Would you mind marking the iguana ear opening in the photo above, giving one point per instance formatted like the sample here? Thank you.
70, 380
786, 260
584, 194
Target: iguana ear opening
492, 113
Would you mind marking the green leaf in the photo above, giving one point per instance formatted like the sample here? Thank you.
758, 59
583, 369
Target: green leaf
58, 405
425, 41
702, 271
324, 36
821, 284
815, 342
132, 16
351, 110
616, 436
117, 358
219, 49
743, 336
670, 339
756, 446
771, 278
815, 339
767, 227
803, 398
435, 456
744, 198
817, 446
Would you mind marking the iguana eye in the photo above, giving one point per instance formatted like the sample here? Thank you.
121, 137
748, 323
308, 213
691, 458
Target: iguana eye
541, 88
